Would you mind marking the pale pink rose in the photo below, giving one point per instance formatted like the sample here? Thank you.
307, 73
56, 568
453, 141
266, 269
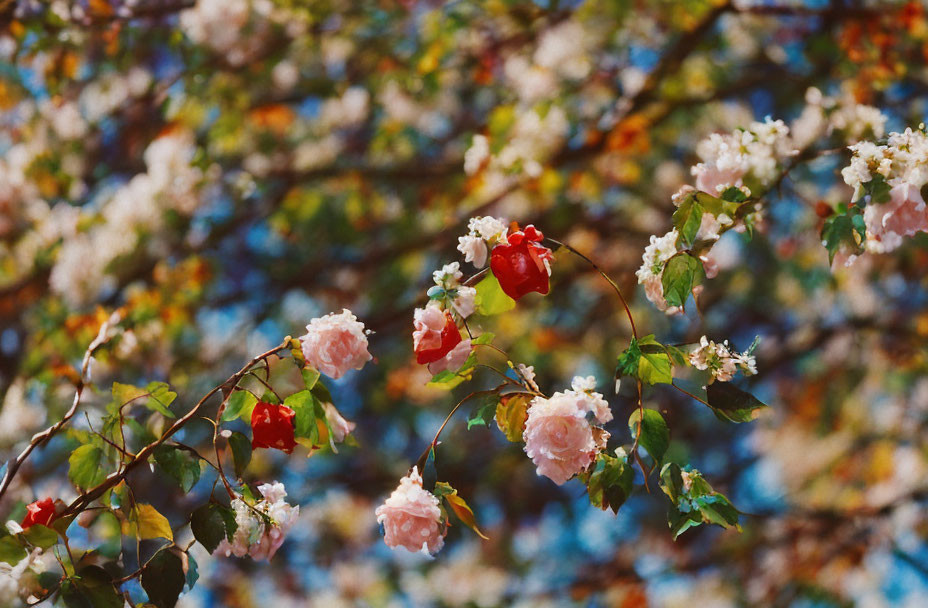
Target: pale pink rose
558, 437
453, 360
904, 215
341, 428
428, 324
253, 536
411, 517
335, 343
710, 178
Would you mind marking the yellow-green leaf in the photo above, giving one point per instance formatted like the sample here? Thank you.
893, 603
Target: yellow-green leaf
150, 523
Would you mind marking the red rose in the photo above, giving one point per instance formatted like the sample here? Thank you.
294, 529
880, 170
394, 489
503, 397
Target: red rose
521, 266
435, 335
40, 512
272, 427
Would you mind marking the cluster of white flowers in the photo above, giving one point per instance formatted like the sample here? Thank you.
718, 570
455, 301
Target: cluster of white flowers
139, 206
720, 361
449, 290
532, 139
562, 52
824, 115
429, 118
728, 159
903, 164
350, 109
655, 257
463, 580
483, 234
227, 27
111, 90
254, 536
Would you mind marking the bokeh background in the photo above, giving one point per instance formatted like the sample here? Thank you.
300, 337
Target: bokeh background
225, 170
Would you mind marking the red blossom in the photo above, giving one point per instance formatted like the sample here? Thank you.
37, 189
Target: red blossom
429, 349
272, 427
520, 266
40, 512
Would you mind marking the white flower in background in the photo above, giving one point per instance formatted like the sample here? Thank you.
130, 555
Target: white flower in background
346, 111
563, 48
477, 154
720, 361
252, 536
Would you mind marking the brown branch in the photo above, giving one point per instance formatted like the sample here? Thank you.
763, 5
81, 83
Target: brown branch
41, 438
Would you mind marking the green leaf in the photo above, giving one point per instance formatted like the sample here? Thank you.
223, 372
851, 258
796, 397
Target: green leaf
41, 536
321, 392
878, 189
687, 219
655, 436
682, 273
484, 338
208, 526
240, 405
610, 482
228, 518
11, 550
180, 465
163, 578
483, 414
310, 376
847, 230
125, 393
241, 452
731, 403
490, 298
160, 399
429, 472
694, 502
307, 410
86, 468
446, 380
734, 195
654, 366
93, 587
193, 572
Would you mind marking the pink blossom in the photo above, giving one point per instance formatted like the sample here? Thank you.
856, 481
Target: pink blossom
411, 517
904, 215
453, 360
714, 180
558, 437
335, 343
253, 537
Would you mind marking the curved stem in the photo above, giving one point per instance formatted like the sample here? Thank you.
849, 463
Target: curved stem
628, 311
421, 460
43, 437
113, 479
